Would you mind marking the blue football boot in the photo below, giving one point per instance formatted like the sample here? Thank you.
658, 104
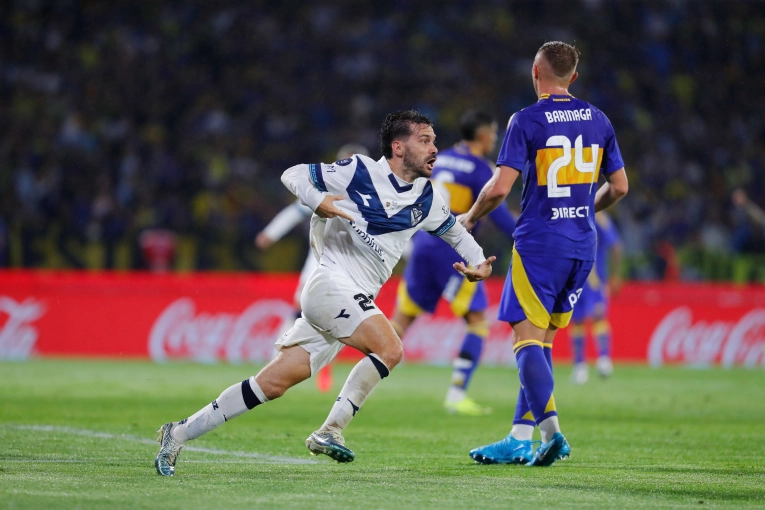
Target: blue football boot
565, 451
505, 451
548, 453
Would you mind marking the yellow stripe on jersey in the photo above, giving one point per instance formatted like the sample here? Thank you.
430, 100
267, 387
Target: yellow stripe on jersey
460, 197
567, 174
527, 297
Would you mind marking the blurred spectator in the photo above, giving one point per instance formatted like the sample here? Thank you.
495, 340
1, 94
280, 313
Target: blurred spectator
119, 116
158, 247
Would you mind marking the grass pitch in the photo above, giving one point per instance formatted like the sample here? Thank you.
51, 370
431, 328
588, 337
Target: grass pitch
79, 434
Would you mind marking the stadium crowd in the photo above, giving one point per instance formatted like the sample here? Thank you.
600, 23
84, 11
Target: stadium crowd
122, 117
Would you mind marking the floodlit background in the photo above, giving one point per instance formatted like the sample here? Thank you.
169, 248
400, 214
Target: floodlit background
120, 117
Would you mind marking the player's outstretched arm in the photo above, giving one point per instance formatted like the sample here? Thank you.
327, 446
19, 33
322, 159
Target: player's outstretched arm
755, 213
478, 273
287, 219
297, 179
492, 194
464, 244
612, 191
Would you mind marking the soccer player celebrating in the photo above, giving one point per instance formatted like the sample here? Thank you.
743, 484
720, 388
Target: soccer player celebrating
559, 145
604, 280
459, 175
365, 211
287, 219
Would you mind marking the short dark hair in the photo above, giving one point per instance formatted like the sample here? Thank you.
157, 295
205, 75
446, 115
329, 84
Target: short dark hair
471, 120
561, 56
398, 125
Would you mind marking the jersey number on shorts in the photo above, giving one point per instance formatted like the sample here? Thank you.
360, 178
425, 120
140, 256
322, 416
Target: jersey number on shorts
553, 191
365, 303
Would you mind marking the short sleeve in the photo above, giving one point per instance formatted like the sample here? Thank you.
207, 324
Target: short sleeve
612, 156
514, 150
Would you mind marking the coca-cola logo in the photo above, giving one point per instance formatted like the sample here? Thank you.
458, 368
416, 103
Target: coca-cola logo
437, 339
678, 339
17, 333
181, 332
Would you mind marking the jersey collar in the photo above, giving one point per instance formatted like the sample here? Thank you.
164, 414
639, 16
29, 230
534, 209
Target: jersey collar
548, 96
398, 185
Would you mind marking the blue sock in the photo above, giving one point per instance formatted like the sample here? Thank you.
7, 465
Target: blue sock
547, 348
465, 364
577, 342
536, 379
523, 414
602, 331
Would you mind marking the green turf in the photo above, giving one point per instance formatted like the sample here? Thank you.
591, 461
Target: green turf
76, 434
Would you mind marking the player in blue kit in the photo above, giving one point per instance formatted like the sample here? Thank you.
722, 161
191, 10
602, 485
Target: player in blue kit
560, 146
459, 174
592, 305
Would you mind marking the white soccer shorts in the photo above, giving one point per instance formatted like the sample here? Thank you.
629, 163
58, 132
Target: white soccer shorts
333, 307
308, 266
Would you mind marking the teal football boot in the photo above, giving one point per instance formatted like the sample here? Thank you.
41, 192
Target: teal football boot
565, 451
505, 451
548, 453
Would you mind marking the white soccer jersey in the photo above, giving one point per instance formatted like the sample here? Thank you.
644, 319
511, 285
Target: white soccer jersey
386, 213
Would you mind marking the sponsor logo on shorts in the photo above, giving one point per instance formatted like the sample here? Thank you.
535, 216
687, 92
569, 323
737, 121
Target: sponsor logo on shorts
343, 314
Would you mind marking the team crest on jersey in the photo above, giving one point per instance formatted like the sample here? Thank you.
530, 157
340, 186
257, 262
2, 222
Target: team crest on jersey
344, 162
415, 215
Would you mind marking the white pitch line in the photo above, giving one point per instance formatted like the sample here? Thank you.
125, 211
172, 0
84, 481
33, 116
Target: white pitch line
143, 440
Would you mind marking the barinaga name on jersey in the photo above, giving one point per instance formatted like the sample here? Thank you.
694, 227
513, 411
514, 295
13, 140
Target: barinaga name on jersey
561, 145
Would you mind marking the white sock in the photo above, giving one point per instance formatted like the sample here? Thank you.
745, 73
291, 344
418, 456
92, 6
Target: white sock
549, 427
455, 394
364, 377
522, 432
234, 401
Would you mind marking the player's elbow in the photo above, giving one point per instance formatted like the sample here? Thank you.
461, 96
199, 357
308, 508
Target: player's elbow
288, 175
620, 189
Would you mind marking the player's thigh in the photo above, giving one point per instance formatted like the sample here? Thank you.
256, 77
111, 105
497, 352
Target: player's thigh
321, 347
376, 335
533, 288
290, 367
570, 293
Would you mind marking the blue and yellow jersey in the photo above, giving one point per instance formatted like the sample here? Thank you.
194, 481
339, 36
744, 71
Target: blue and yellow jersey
561, 144
460, 176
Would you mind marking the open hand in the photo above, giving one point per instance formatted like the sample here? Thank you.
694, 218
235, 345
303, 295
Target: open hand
481, 272
328, 209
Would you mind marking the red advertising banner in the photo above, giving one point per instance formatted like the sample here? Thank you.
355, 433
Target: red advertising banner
211, 317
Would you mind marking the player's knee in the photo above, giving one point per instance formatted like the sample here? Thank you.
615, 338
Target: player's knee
272, 389
392, 354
